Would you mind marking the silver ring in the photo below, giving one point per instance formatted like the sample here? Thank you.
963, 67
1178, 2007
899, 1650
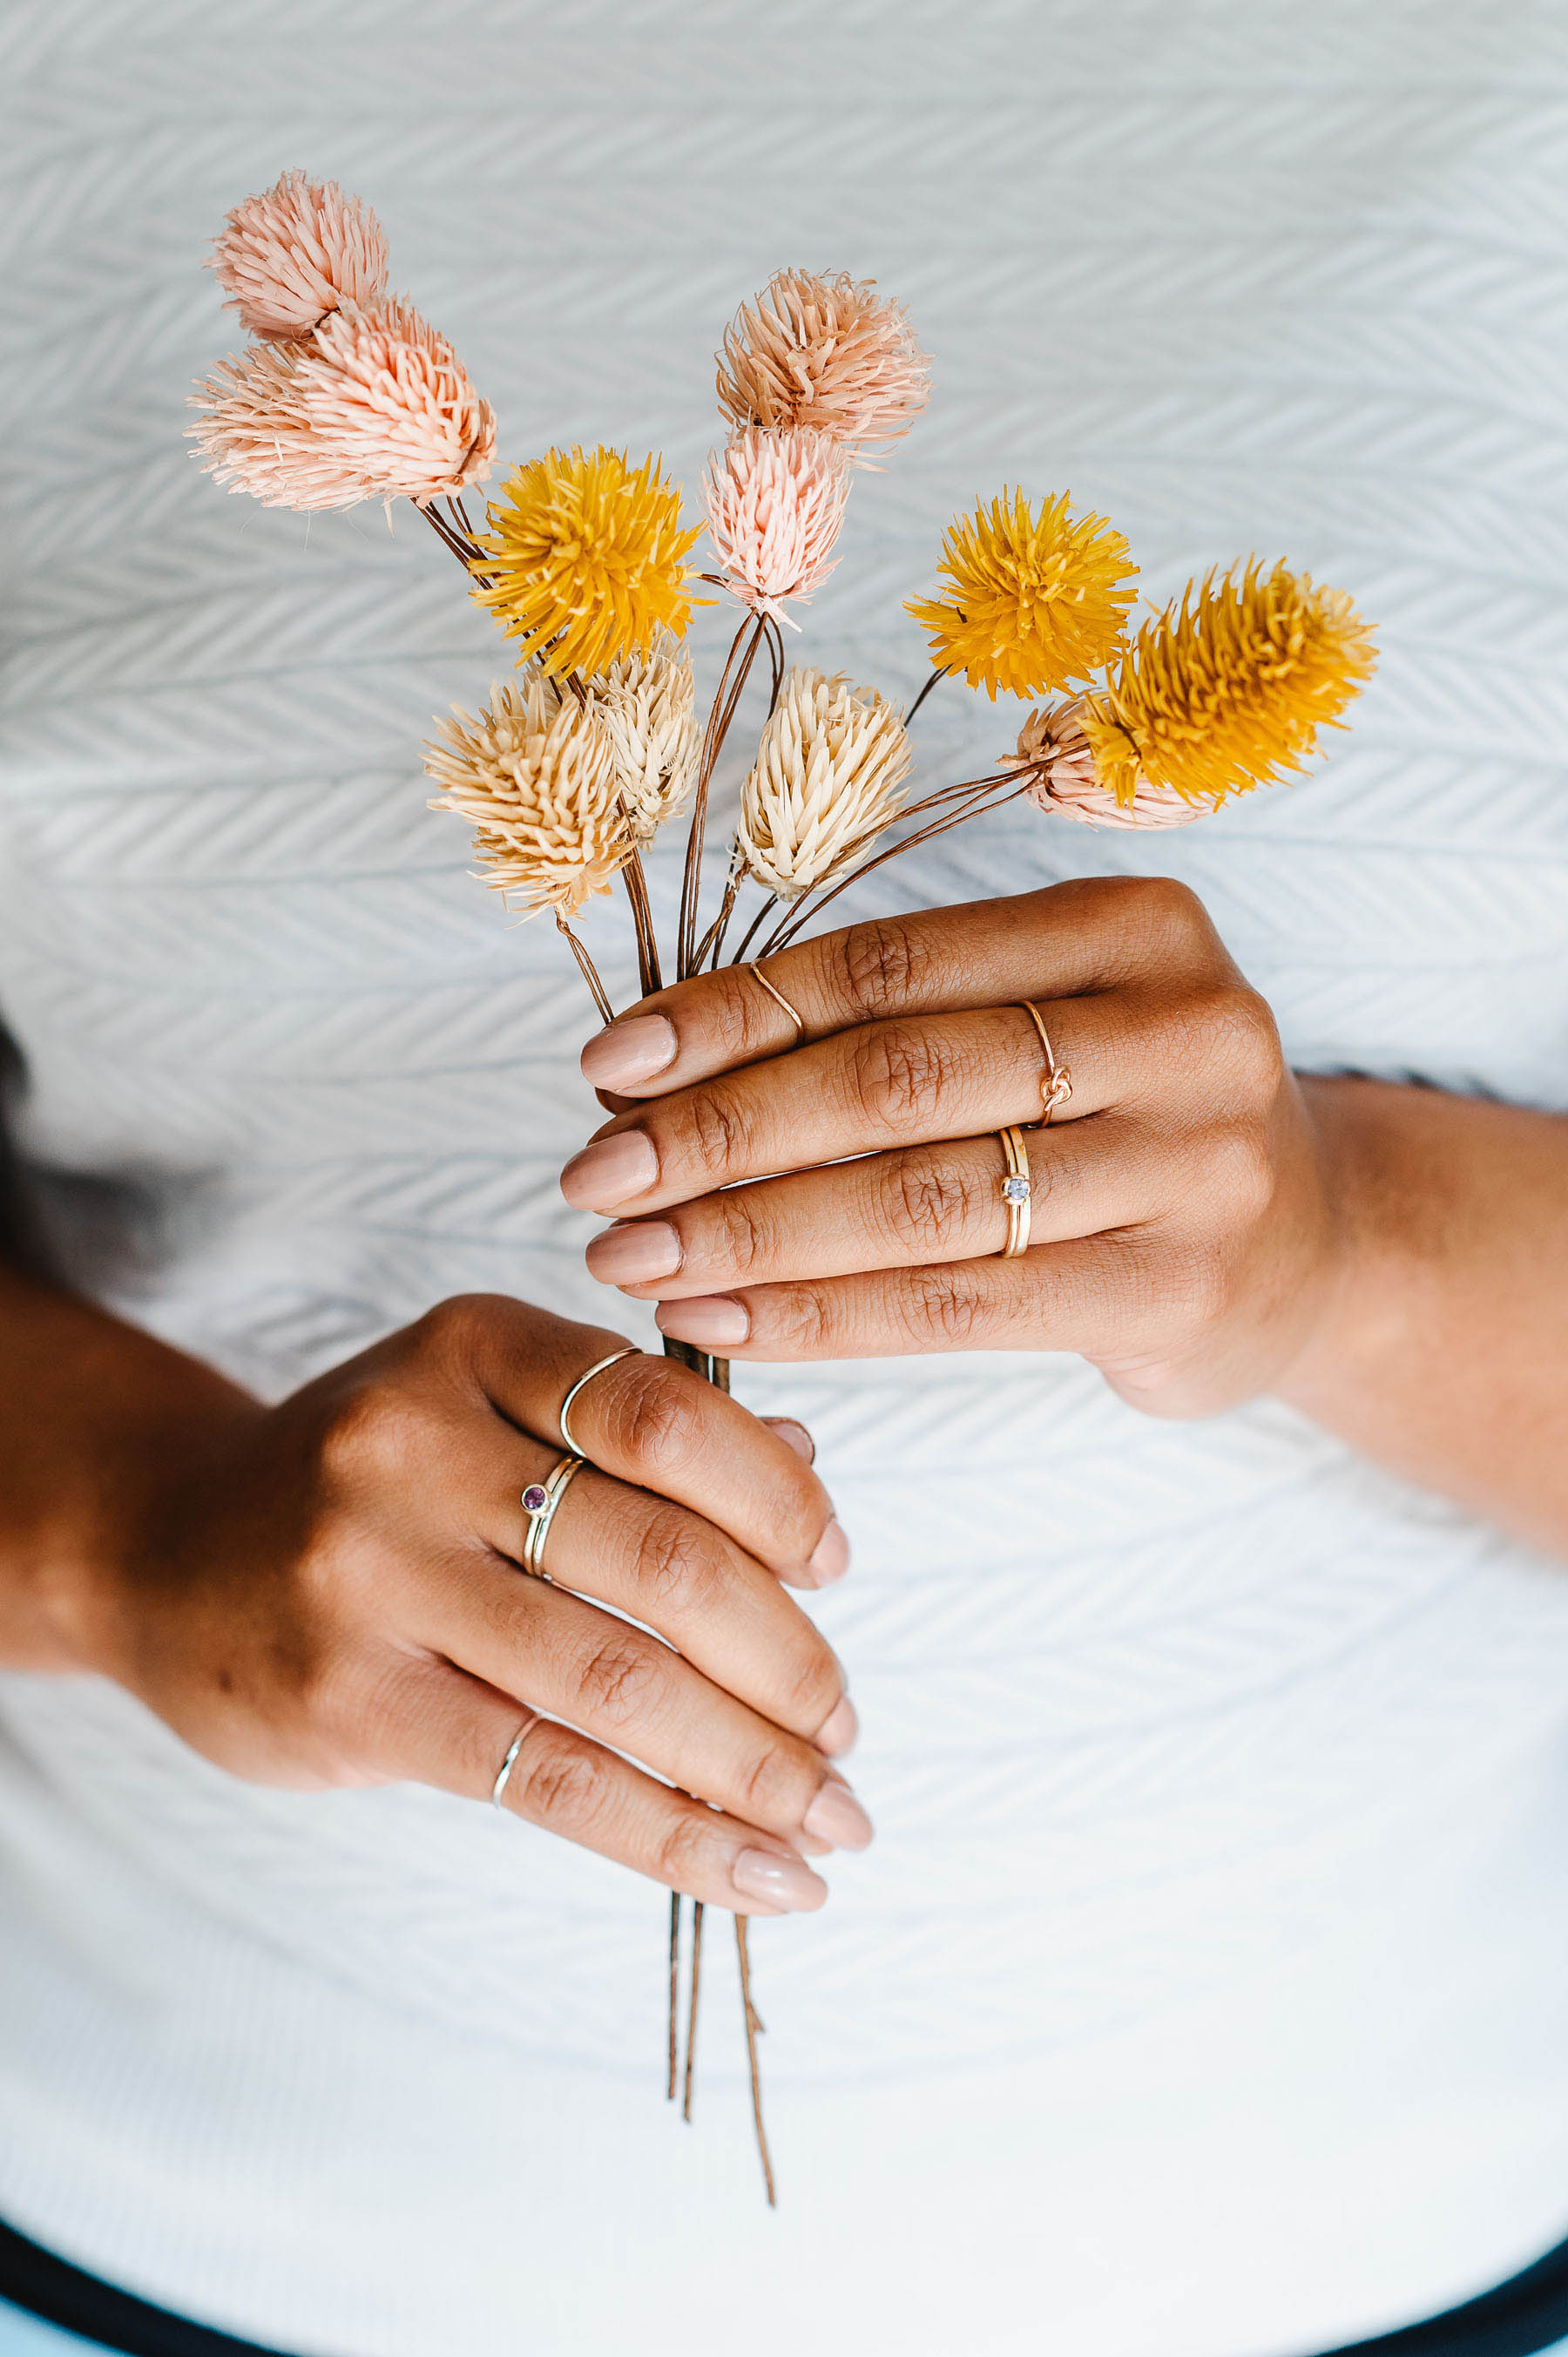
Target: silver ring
538, 1502
630, 1352
509, 1762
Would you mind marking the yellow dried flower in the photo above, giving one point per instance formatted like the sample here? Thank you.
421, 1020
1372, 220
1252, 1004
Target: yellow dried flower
536, 774
583, 559
1038, 600
826, 780
1228, 691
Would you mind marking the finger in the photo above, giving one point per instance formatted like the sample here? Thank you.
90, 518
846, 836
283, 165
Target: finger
667, 1567
1092, 1297
1092, 934
443, 1728
891, 1211
911, 1082
648, 1420
619, 1683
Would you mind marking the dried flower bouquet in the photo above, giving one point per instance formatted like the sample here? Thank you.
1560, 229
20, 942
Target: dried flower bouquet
345, 393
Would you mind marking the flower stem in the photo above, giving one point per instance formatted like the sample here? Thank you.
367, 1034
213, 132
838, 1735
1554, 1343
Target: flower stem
753, 2027
726, 701
590, 971
648, 968
940, 672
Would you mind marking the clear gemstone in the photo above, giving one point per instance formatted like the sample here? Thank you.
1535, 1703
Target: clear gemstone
1016, 1190
534, 1498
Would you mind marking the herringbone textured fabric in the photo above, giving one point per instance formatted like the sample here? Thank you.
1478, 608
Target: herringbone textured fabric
1203, 1991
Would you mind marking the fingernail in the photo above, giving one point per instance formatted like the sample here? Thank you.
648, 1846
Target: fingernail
632, 1050
781, 1881
610, 1171
633, 1251
712, 1321
829, 1557
836, 1816
793, 1435
838, 1730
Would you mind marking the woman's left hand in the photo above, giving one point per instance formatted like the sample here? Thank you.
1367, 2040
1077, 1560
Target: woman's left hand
835, 1191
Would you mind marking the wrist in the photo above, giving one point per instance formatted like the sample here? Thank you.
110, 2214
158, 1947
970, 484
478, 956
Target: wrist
1358, 1307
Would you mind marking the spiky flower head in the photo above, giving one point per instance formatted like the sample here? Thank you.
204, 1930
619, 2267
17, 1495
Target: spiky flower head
1037, 599
536, 775
1228, 691
584, 559
372, 404
1053, 747
826, 351
646, 705
301, 250
826, 781
775, 498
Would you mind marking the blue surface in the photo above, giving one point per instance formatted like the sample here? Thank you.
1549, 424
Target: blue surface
24, 2336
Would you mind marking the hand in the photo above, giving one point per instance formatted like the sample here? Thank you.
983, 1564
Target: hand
1180, 1237
328, 1593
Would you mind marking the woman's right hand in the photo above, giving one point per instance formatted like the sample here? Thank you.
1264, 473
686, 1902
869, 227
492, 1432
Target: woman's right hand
328, 1592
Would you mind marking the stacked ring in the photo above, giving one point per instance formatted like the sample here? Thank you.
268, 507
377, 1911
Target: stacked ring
538, 1502
1015, 1192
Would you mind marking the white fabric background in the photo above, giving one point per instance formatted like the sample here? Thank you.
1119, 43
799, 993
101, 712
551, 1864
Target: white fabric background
1202, 1996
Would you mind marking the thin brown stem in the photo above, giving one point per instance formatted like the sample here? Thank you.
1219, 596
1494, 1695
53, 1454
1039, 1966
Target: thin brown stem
692, 2007
726, 701
979, 802
674, 1994
766, 909
461, 547
940, 672
590, 971
634, 877
753, 2025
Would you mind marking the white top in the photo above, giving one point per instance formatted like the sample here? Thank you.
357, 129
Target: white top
1204, 1993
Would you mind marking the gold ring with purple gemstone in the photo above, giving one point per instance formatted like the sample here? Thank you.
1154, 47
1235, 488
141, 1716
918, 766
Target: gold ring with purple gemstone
540, 1500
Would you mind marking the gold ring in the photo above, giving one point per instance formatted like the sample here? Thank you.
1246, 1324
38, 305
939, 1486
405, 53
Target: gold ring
1055, 1080
1016, 1191
758, 975
630, 1352
538, 1502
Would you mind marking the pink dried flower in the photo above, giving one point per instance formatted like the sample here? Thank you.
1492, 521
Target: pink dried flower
373, 404
1053, 744
289, 257
775, 499
826, 352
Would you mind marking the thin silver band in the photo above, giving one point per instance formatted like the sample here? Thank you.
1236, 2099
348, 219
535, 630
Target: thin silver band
630, 1352
509, 1762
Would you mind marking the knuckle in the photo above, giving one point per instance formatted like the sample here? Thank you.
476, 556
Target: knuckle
900, 1072
678, 1566
1229, 1029
881, 965
648, 1412
562, 1781
770, 1789
453, 1327
372, 1438
622, 1681
923, 1203
1194, 1293
942, 1301
681, 1856
739, 1229
798, 1320
717, 1130
811, 1684
1241, 1171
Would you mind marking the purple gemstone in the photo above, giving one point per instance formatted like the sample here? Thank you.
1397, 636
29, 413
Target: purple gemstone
535, 1498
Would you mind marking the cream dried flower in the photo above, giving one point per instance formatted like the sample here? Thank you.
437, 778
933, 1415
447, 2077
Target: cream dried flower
647, 706
302, 249
823, 351
372, 405
826, 781
1053, 744
775, 498
536, 774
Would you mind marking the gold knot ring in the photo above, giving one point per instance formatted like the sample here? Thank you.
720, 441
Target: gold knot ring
1055, 1080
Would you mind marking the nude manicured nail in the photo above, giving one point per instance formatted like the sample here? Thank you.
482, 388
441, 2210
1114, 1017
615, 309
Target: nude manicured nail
838, 1730
632, 1252
610, 1171
780, 1881
830, 1558
836, 1816
794, 1435
712, 1321
628, 1051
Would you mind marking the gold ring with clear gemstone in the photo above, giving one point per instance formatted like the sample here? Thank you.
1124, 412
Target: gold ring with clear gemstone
1015, 1192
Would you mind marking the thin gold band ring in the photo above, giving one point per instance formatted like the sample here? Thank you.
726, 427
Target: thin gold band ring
773, 991
1055, 1080
538, 1502
1016, 1191
630, 1352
